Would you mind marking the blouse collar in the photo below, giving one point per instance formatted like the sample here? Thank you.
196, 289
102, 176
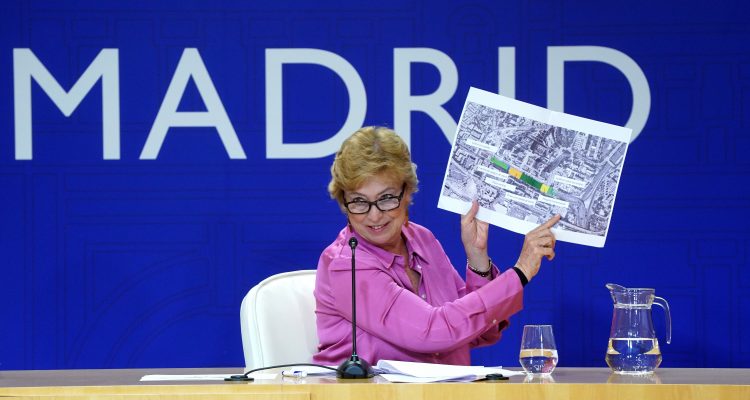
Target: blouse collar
386, 257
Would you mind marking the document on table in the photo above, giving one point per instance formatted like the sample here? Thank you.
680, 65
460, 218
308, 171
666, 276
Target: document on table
414, 372
200, 377
314, 371
524, 164
261, 375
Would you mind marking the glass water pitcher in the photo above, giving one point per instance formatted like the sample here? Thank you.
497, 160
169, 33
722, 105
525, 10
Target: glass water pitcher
633, 347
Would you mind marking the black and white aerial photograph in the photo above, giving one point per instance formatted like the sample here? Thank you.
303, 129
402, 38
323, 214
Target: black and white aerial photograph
523, 171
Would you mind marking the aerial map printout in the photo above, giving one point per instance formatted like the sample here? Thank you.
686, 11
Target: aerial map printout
524, 164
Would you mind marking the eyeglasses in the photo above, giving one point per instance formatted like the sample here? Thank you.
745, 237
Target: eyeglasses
386, 203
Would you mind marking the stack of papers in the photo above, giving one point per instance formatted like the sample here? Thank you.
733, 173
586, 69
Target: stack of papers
414, 372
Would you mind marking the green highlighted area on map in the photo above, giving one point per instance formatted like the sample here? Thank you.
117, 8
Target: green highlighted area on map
544, 188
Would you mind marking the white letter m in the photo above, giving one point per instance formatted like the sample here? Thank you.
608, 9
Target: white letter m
105, 66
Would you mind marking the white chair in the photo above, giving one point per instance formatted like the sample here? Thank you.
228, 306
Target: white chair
277, 320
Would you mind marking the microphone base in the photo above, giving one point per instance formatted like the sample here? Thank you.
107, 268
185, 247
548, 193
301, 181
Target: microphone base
239, 378
354, 368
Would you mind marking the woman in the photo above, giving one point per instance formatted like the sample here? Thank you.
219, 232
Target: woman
411, 303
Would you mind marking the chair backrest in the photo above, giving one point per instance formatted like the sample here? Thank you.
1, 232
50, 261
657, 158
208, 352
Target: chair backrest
277, 320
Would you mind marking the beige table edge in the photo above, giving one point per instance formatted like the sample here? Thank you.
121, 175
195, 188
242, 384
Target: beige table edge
570, 383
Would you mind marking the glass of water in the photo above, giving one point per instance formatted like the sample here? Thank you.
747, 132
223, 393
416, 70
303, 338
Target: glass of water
538, 349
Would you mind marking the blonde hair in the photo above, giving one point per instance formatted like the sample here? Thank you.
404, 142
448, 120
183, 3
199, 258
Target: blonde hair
371, 151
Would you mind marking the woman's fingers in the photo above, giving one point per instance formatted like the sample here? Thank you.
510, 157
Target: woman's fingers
547, 241
472, 213
539, 243
554, 241
552, 221
544, 230
546, 225
473, 231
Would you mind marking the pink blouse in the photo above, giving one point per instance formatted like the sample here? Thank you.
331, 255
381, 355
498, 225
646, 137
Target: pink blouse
438, 324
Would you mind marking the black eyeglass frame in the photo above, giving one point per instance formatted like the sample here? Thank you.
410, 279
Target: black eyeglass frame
375, 203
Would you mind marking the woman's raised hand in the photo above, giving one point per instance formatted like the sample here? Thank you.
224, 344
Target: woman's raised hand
538, 243
474, 238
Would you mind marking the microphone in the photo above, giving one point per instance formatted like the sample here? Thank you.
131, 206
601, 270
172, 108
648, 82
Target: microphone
354, 367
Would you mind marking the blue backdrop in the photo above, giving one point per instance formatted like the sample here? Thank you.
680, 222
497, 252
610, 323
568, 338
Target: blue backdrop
133, 262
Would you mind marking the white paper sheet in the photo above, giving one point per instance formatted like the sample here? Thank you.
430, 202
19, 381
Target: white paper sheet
399, 378
260, 375
203, 377
405, 371
311, 371
524, 164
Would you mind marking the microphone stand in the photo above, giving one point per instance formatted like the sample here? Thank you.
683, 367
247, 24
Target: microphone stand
354, 367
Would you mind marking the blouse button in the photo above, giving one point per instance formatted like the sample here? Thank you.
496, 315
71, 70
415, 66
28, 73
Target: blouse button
424, 296
494, 322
